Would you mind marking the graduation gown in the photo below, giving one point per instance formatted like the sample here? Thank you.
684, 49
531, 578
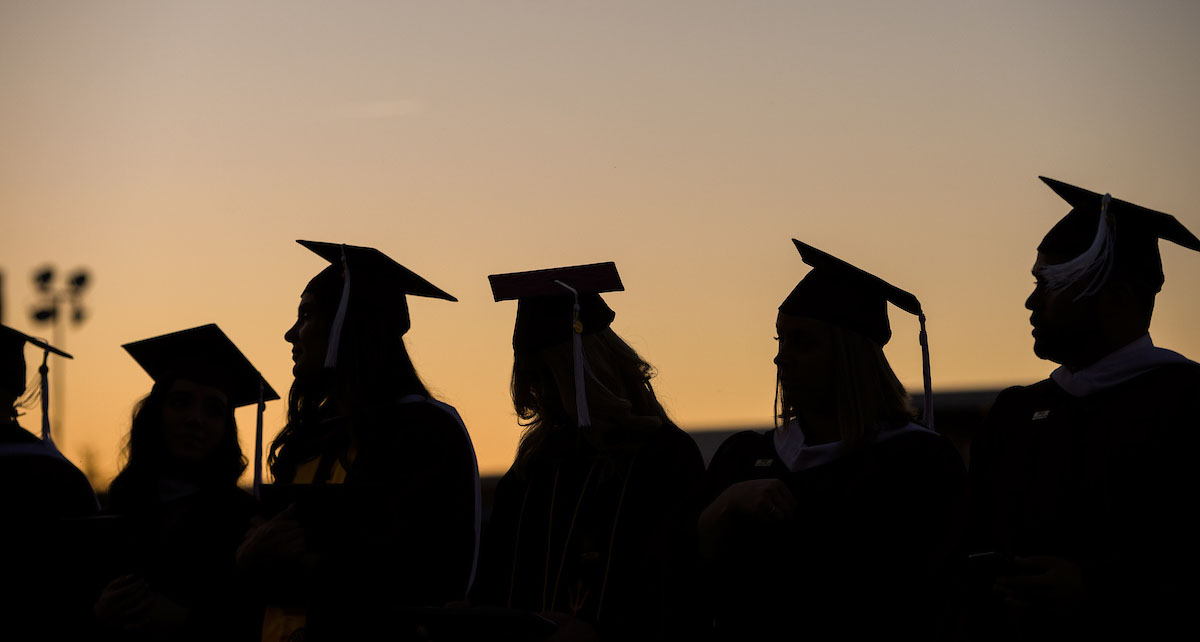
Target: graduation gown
183, 539
605, 534
37, 482
869, 555
42, 496
393, 518
1105, 480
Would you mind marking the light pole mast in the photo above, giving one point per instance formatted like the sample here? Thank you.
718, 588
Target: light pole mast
49, 310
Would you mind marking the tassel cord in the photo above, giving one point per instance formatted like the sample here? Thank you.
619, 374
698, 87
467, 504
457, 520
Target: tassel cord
926, 377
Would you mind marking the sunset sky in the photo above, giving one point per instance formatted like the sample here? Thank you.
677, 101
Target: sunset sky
178, 149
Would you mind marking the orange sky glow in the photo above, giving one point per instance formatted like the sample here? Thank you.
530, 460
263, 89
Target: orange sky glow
177, 150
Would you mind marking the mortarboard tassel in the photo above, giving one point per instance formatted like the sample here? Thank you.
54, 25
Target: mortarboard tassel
335, 333
1095, 264
258, 430
925, 374
579, 361
44, 371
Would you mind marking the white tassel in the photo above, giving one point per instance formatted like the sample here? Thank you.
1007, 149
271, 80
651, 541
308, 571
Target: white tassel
335, 333
1095, 264
583, 417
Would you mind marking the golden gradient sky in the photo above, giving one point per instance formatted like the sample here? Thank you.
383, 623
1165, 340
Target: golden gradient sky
177, 149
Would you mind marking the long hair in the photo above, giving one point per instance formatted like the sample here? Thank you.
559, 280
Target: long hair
373, 368
619, 392
145, 454
30, 398
866, 393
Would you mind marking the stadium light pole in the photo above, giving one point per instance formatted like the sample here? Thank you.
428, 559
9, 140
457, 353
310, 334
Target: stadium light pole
55, 304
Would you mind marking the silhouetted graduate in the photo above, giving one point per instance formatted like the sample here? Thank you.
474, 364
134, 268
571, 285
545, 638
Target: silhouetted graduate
41, 494
593, 525
37, 481
1087, 478
843, 522
181, 513
377, 480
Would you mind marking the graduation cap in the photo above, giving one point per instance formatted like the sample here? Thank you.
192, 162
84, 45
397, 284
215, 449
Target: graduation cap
557, 305
837, 292
204, 355
12, 352
375, 275
1105, 236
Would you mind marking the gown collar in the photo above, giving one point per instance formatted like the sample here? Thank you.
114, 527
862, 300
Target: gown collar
797, 456
1119, 366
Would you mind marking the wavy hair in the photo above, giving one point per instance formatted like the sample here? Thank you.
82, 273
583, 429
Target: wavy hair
145, 456
373, 368
619, 391
30, 398
866, 392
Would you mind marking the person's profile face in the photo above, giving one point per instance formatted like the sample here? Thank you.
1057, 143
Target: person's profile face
1062, 326
194, 417
804, 359
309, 337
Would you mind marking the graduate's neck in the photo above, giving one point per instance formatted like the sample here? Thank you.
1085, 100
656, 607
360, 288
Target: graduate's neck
1121, 316
1104, 345
341, 399
820, 425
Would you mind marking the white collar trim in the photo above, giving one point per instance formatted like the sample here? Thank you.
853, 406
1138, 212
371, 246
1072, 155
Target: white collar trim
1121, 365
789, 444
